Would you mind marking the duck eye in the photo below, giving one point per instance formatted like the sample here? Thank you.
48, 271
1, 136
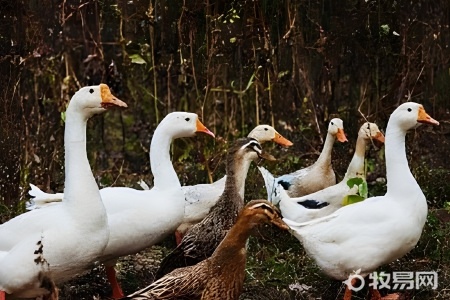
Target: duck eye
187, 119
91, 91
409, 109
266, 129
332, 123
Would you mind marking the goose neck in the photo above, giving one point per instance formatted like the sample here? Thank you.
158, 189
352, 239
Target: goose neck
160, 163
356, 166
80, 186
325, 155
398, 174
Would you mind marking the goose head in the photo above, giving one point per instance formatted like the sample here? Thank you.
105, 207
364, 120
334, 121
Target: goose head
266, 133
370, 131
336, 128
183, 124
262, 212
94, 100
409, 115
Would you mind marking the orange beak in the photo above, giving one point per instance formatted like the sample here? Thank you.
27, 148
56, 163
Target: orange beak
281, 140
108, 99
202, 128
423, 117
341, 135
379, 137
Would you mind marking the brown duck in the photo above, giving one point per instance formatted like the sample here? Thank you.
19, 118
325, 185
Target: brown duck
221, 276
203, 238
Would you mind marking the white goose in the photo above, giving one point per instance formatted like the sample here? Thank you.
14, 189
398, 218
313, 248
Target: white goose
201, 197
378, 230
319, 175
326, 201
141, 218
55, 244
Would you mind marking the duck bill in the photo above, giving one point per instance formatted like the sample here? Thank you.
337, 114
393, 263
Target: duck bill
281, 140
266, 156
379, 137
280, 223
108, 99
202, 128
425, 118
341, 136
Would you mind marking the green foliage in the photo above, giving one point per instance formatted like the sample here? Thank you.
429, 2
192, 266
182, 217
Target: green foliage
384, 29
362, 191
137, 59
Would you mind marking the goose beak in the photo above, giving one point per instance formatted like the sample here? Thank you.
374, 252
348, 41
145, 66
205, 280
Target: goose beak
266, 156
379, 137
202, 128
425, 118
108, 100
279, 223
341, 135
281, 140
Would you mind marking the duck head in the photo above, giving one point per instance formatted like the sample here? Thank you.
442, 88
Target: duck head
336, 128
263, 212
266, 133
248, 149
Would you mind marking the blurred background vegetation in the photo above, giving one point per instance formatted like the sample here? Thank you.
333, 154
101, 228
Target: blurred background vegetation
293, 64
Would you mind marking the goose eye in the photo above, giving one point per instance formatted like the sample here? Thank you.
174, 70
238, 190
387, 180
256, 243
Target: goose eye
91, 91
187, 119
409, 109
332, 123
266, 129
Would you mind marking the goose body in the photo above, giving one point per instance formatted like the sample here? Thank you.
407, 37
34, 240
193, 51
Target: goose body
220, 277
319, 175
378, 230
58, 243
328, 200
203, 238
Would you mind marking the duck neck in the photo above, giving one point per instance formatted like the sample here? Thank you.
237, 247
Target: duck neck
160, 163
398, 174
236, 238
80, 186
325, 155
236, 174
356, 166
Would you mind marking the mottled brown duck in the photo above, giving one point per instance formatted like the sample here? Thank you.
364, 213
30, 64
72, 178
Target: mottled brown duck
203, 238
221, 276
200, 198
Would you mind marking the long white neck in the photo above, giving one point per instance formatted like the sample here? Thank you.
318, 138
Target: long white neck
325, 155
356, 166
160, 163
400, 181
80, 190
